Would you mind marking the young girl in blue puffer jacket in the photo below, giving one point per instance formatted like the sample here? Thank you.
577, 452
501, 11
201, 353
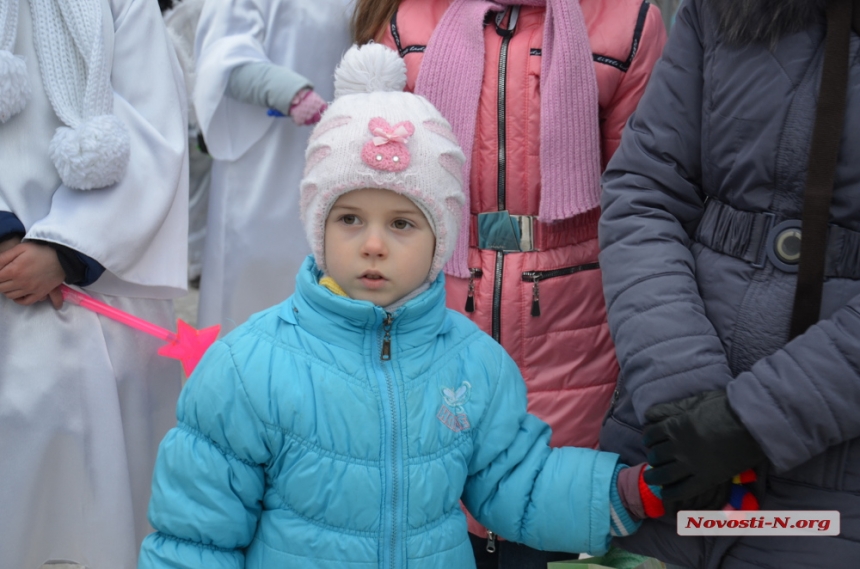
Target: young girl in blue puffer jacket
341, 428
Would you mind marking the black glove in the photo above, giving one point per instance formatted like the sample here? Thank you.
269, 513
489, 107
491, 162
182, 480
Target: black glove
695, 445
714, 498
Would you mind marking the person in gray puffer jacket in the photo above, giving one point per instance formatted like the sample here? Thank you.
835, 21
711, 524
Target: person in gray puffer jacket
699, 205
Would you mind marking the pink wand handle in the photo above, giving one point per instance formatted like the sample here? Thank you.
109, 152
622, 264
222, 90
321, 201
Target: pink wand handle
90, 303
187, 344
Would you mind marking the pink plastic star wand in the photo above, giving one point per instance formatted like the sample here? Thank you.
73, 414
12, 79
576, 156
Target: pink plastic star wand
186, 345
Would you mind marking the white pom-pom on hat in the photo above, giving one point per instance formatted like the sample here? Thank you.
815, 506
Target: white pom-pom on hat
92, 155
14, 85
369, 68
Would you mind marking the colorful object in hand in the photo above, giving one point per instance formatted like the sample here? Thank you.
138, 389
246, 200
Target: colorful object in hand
741, 498
652, 501
186, 345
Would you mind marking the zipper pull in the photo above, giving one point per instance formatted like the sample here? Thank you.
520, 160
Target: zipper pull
386, 339
535, 297
491, 542
470, 299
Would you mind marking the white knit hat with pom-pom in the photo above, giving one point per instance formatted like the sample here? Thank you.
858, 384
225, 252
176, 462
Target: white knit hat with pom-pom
374, 135
14, 84
92, 150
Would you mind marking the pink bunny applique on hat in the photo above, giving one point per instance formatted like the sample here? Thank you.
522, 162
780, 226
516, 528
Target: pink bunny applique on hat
387, 149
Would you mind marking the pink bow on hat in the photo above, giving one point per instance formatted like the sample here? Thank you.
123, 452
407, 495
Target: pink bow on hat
386, 134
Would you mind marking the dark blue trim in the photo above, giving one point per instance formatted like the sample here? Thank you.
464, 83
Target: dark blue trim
10, 225
94, 270
79, 269
623, 66
396, 35
412, 49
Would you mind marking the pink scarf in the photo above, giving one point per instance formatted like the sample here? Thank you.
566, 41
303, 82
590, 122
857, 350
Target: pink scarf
450, 77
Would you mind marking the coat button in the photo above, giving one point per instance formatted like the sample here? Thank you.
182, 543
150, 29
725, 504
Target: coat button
783, 245
787, 245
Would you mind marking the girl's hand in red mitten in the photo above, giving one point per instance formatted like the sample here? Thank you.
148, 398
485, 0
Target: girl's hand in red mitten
645, 500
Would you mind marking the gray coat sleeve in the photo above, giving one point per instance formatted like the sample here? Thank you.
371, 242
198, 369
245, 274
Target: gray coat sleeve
667, 347
805, 397
266, 85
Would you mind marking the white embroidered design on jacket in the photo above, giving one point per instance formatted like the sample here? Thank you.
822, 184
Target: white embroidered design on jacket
451, 413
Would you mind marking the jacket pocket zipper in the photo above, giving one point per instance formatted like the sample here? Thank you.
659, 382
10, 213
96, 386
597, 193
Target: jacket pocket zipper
537, 276
491, 542
470, 298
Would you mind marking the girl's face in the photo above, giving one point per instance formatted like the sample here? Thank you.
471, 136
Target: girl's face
378, 245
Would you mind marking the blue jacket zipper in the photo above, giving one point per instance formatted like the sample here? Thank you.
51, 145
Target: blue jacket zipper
391, 550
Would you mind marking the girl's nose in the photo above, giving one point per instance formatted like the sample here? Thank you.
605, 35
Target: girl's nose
374, 244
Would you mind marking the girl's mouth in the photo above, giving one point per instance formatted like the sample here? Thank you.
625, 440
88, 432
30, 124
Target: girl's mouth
372, 280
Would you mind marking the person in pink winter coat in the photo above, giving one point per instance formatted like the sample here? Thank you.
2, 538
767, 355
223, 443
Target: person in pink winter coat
538, 94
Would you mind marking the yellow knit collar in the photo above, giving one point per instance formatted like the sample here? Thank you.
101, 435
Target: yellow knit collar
329, 283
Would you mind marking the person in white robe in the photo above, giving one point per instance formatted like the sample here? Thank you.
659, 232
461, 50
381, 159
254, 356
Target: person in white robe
94, 192
253, 56
181, 20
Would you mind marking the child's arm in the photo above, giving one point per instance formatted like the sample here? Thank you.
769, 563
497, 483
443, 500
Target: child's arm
30, 272
208, 482
275, 87
30, 269
520, 488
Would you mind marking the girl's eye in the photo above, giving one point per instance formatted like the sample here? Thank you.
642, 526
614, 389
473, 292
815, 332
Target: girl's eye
402, 224
349, 219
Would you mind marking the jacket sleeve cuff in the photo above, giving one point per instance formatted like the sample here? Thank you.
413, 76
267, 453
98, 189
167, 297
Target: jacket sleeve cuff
80, 270
10, 226
266, 85
620, 522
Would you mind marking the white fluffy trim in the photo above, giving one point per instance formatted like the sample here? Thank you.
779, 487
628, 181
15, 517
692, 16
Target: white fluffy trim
93, 155
372, 67
14, 85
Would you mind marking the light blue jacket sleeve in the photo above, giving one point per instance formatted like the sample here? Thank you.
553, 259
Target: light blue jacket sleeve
208, 482
554, 499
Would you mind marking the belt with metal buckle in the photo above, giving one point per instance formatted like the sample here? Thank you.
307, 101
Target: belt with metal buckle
501, 231
759, 237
